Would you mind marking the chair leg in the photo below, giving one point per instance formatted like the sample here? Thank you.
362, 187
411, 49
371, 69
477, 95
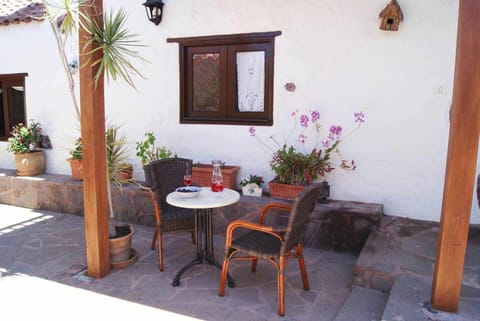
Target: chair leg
154, 238
303, 270
254, 265
160, 251
281, 287
223, 277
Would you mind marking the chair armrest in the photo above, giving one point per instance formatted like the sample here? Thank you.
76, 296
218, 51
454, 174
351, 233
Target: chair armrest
145, 188
266, 209
156, 207
273, 230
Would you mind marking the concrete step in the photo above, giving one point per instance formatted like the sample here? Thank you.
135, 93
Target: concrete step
408, 299
363, 305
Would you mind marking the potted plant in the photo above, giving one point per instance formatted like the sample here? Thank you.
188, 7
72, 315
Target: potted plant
121, 253
125, 172
148, 152
25, 143
252, 185
294, 169
76, 160
202, 174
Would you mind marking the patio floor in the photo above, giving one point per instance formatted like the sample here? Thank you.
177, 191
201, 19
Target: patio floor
42, 275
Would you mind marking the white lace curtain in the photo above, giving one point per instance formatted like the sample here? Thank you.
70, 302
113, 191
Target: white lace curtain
251, 81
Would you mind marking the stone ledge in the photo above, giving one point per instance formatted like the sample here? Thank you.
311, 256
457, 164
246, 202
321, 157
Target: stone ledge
342, 225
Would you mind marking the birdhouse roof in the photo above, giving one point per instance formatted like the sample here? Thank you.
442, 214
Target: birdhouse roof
392, 9
16, 11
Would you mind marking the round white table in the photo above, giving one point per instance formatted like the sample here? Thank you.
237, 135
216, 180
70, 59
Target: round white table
202, 206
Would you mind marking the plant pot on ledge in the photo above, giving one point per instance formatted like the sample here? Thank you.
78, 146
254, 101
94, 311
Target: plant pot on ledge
125, 172
76, 168
284, 191
202, 175
30, 164
290, 191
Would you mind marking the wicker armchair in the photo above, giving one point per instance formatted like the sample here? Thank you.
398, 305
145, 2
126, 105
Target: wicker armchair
273, 243
167, 175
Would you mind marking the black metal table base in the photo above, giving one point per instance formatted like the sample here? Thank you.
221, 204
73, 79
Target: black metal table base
204, 246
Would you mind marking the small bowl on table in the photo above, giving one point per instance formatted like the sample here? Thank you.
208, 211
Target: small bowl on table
188, 191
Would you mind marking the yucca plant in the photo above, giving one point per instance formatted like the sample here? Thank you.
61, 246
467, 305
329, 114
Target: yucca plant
116, 148
115, 143
113, 38
116, 43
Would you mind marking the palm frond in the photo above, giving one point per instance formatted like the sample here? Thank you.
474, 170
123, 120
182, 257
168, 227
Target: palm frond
116, 43
66, 14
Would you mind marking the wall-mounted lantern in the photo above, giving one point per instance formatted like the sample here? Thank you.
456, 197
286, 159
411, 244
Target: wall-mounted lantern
391, 16
154, 10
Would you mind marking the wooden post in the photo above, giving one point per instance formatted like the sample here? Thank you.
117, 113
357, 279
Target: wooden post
94, 158
461, 162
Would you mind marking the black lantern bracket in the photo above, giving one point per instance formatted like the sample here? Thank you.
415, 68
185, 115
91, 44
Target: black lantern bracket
154, 10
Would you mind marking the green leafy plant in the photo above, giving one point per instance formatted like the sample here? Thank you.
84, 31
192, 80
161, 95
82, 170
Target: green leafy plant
293, 166
116, 43
116, 148
77, 150
111, 38
125, 167
147, 151
25, 139
115, 143
252, 179
125, 171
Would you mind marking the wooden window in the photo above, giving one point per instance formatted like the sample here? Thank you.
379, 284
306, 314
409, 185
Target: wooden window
12, 102
227, 79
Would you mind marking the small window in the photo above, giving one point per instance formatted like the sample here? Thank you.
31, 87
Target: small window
227, 79
12, 102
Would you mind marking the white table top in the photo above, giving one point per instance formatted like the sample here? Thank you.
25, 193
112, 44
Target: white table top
206, 199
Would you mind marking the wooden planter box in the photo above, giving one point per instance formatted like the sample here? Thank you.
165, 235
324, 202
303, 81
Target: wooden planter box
285, 191
202, 175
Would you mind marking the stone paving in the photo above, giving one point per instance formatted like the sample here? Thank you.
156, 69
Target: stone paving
42, 275
399, 258
402, 245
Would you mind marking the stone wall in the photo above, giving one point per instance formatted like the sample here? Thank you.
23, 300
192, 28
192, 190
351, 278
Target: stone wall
340, 225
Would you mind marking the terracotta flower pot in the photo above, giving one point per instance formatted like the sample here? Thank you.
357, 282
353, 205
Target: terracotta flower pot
30, 164
125, 175
121, 252
77, 169
285, 191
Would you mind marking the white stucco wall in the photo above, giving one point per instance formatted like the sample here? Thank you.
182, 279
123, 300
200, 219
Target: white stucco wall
339, 61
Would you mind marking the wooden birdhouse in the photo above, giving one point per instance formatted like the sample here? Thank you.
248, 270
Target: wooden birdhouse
391, 16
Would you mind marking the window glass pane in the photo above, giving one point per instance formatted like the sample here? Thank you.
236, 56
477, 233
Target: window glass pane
15, 102
251, 81
206, 82
3, 131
